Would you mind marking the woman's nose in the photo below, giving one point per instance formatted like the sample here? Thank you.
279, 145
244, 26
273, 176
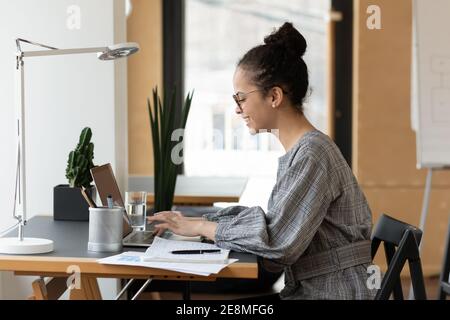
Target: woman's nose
238, 109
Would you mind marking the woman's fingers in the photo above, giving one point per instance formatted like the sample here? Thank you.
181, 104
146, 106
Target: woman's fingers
178, 214
159, 218
165, 216
160, 228
167, 220
160, 232
162, 213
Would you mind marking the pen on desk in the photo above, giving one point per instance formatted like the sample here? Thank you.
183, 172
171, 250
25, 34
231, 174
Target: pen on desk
88, 199
110, 202
195, 251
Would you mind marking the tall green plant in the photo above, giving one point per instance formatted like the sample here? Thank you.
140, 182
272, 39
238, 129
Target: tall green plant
80, 161
163, 123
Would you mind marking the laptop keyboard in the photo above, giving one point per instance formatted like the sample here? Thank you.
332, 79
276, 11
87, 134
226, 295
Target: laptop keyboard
140, 237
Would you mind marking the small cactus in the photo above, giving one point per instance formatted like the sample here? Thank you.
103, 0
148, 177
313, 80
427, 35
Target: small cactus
80, 161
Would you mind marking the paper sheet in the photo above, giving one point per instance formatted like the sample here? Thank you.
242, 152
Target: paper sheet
133, 258
160, 251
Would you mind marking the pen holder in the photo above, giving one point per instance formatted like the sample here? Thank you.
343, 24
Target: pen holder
105, 229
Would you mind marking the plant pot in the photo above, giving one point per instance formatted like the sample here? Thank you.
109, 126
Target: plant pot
69, 203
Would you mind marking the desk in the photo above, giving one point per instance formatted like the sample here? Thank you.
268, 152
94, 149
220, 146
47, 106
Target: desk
71, 237
195, 190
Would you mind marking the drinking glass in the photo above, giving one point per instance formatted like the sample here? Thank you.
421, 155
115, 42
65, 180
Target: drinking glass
136, 205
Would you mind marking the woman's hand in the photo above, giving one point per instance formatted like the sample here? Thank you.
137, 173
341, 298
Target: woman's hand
181, 225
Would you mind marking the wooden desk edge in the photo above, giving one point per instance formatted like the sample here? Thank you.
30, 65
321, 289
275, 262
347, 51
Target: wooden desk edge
54, 266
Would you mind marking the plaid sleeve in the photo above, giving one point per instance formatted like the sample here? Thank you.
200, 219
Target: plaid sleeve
301, 200
224, 214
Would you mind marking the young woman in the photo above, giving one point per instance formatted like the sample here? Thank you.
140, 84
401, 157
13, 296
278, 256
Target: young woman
318, 223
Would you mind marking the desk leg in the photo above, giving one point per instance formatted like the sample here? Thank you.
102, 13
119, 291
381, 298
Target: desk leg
95, 290
50, 290
39, 290
89, 290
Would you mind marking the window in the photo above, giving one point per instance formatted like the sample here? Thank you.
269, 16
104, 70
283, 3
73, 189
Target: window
217, 34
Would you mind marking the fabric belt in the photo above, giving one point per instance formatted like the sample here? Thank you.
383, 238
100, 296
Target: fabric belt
336, 259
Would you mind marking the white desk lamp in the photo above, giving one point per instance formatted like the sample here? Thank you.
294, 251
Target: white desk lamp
20, 244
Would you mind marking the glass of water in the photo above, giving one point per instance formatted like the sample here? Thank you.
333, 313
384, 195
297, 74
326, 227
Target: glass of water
136, 205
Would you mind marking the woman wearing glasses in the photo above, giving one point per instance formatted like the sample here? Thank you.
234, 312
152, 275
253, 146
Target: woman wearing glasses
318, 223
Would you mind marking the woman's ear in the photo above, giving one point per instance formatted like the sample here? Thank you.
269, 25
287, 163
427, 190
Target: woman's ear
276, 96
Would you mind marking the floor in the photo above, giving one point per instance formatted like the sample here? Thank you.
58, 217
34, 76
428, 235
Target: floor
431, 286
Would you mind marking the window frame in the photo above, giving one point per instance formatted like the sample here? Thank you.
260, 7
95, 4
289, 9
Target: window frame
173, 66
173, 13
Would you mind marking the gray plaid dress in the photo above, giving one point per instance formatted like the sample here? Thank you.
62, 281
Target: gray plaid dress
317, 226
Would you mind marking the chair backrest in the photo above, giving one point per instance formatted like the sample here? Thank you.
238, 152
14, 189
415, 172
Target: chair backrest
444, 279
401, 243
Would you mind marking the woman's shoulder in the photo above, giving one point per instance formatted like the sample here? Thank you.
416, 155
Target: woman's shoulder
316, 142
317, 146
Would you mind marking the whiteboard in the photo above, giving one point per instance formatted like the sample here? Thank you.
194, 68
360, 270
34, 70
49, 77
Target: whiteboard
430, 114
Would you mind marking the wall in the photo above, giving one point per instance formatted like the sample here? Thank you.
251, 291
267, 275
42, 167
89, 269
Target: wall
384, 144
144, 73
63, 95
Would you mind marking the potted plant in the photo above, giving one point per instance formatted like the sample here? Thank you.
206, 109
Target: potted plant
166, 130
68, 202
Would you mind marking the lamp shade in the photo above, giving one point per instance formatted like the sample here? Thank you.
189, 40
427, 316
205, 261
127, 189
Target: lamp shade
118, 51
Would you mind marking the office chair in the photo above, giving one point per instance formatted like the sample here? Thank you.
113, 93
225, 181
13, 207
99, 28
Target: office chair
401, 243
444, 281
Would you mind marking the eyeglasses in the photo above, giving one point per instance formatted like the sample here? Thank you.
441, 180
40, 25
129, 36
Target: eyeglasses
241, 96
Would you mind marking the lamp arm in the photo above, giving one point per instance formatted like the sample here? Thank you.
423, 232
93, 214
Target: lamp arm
59, 52
52, 50
19, 40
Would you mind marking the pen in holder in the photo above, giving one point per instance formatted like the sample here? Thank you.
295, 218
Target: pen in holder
109, 199
105, 229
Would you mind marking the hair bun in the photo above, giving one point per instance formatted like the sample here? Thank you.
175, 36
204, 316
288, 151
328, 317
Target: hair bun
289, 38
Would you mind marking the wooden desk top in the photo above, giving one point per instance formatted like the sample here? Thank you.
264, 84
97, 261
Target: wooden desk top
70, 242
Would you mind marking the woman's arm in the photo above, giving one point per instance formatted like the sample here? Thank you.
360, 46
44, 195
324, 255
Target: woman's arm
207, 229
300, 204
301, 200
224, 214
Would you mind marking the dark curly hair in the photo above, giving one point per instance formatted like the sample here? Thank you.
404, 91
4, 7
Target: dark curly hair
279, 62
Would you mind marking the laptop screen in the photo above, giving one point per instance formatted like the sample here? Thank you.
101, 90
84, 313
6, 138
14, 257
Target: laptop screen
106, 185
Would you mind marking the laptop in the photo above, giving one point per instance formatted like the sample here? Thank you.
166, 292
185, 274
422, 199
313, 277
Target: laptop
106, 184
